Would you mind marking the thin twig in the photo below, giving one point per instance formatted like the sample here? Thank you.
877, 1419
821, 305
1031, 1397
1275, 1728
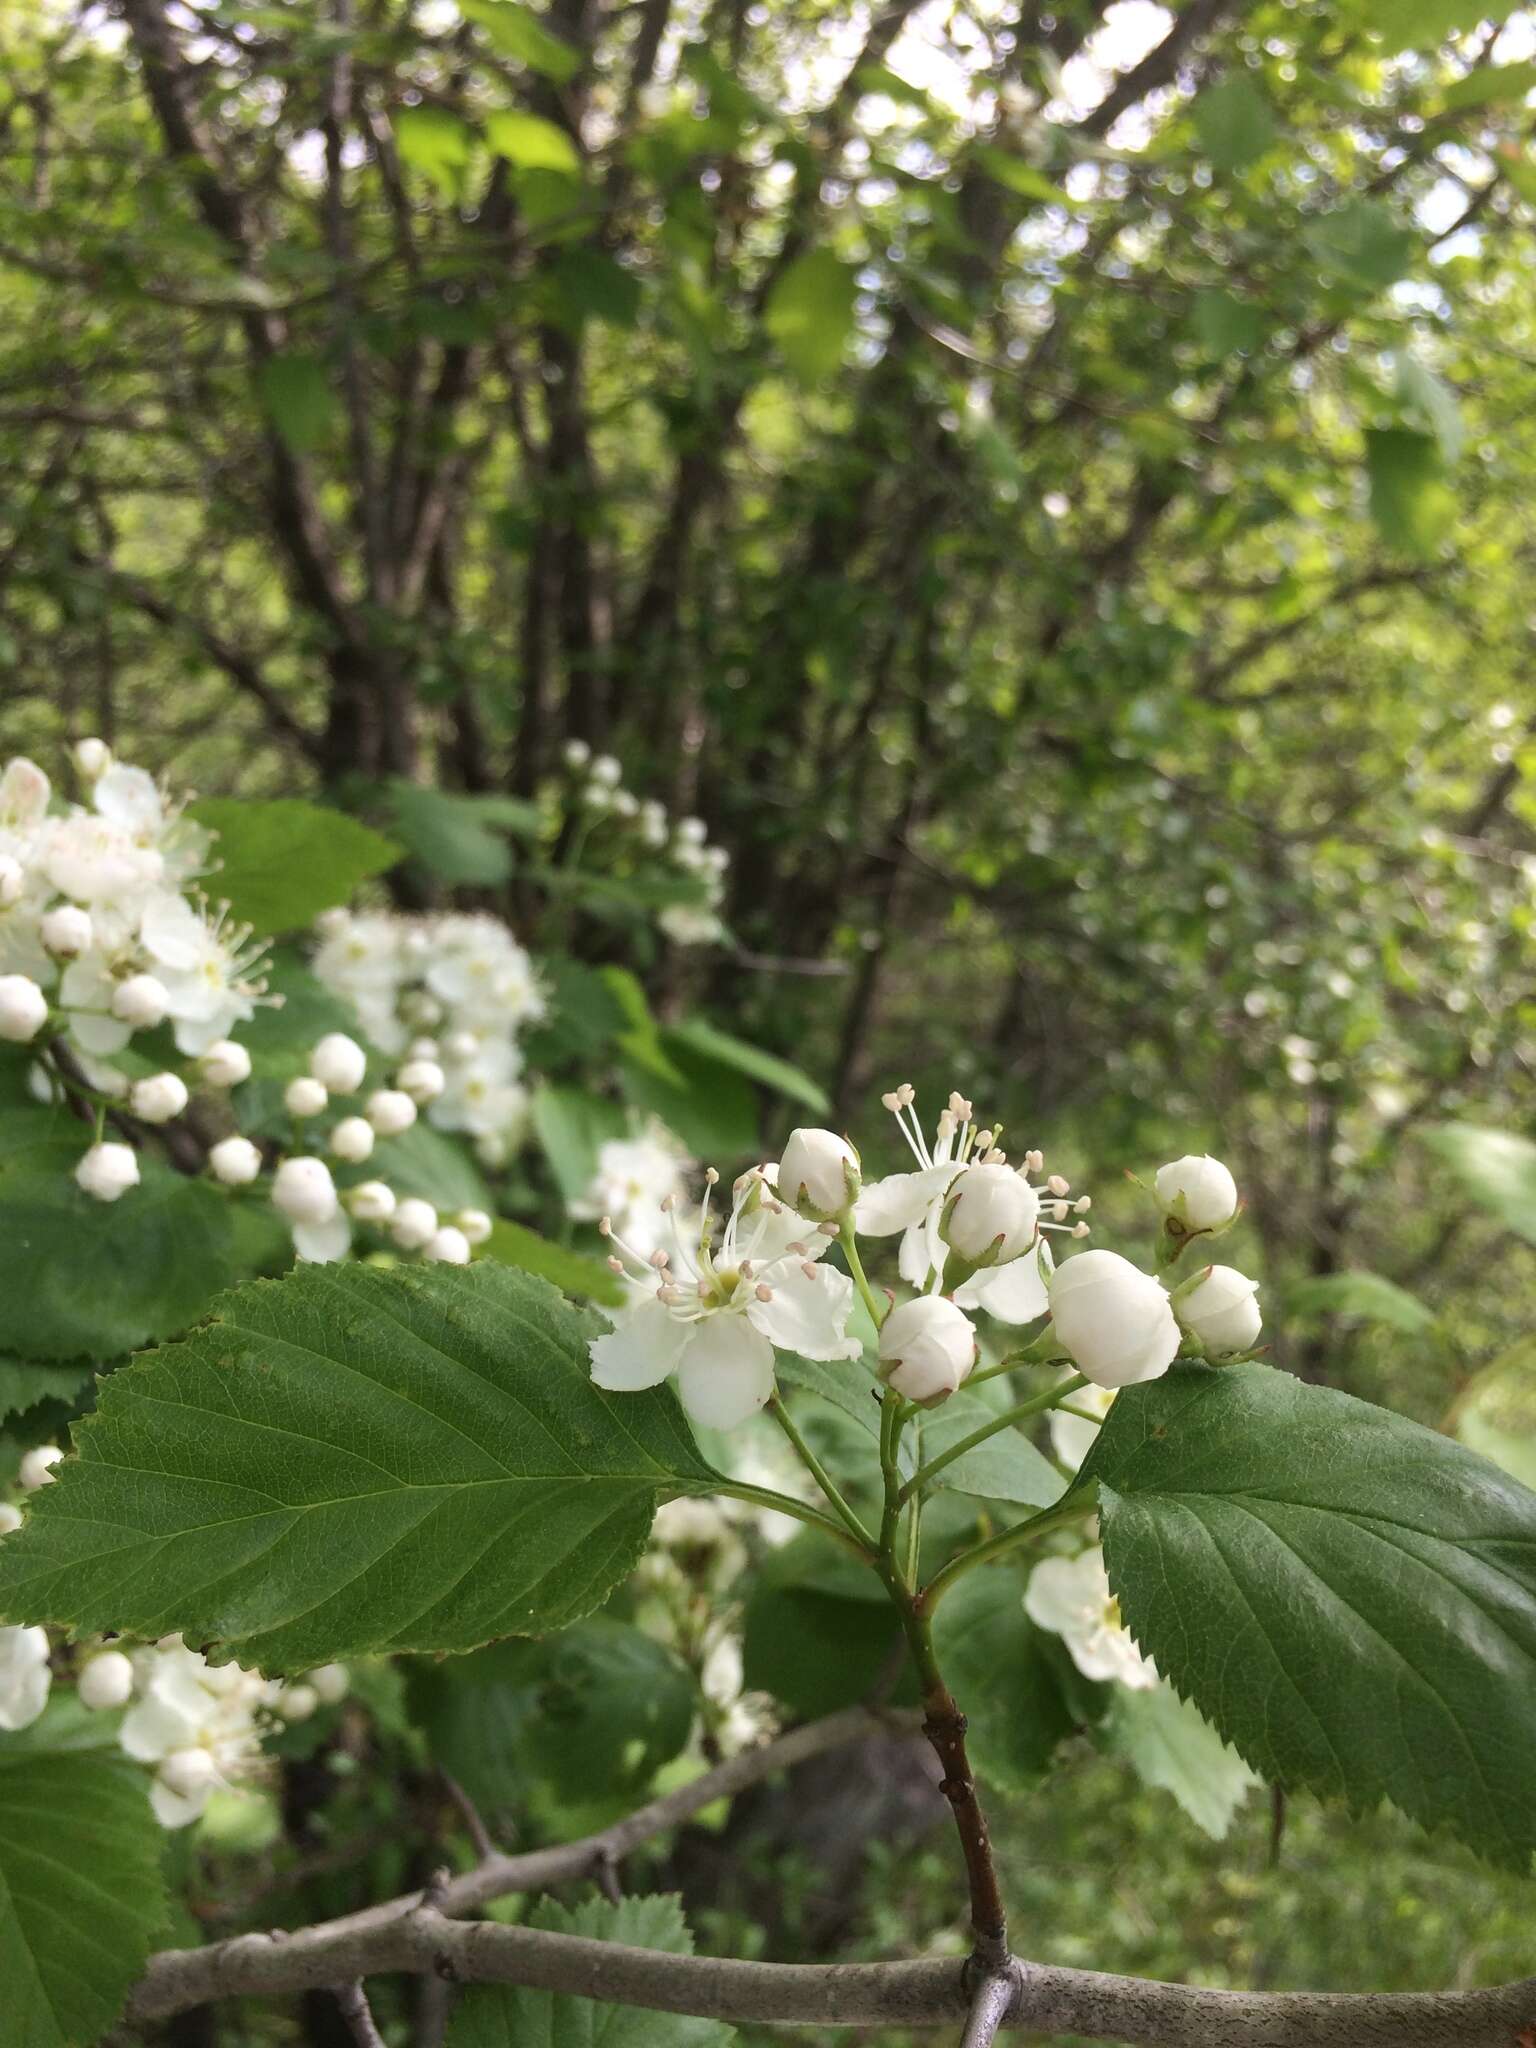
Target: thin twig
989, 2008
470, 1814
358, 2014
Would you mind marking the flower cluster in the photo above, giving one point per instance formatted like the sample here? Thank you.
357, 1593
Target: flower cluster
452, 994
103, 936
682, 843
636, 1179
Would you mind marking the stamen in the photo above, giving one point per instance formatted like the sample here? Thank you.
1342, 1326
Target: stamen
763, 1292
1034, 1162
1058, 1186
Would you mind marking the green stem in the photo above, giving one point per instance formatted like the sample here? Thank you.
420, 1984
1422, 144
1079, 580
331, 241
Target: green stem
819, 1473
850, 1245
1072, 1509
785, 1504
1036, 1405
891, 1420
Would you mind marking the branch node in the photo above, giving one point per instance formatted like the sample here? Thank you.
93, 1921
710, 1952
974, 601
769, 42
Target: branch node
434, 1892
992, 1992
605, 1875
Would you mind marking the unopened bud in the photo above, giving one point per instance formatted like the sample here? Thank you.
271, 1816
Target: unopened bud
23, 1008
302, 1189
107, 1171
225, 1064
371, 1201
157, 1098
1220, 1310
422, 1080
234, 1161
140, 1002
448, 1246
927, 1348
1114, 1322
105, 1682
1197, 1193
475, 1224
36, 1467
339, 1062
305, 1096
414, 1224
352, 1139
991, 1217
819, 1173
92, 759
66, 930
390, 1111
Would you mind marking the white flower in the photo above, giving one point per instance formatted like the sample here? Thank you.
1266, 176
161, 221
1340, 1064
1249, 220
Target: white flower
992, 1215
303, 1190
322, 1244
1220, 1309
818, 1173
24, 1676
476, 1225
108, 1170
448, 1245
92, 759
1115, 1322
196, 1724
352, 1139
66, 930
24, 794
1070, 1597
209, 967
414, 1224
225, 1064
106, 1681
1197, 1193
607, 771
305, 1096
141, 1002
422, 1080
158, 1097
234, 1161
23, 1008
10, 1518
371, 1201
1073, 1436
716, 1314
927, 1347
692, 831
331, 1683
390, 1111
339, 1062
13, 881
576, 753
36, 1467
97, 862
361, 954
635, 1177
686, 924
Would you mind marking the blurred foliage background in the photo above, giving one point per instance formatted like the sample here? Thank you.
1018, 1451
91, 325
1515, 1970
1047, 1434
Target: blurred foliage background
1048, 486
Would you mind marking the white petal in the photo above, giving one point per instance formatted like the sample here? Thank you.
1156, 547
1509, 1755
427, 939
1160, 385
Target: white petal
176, 1809
900, 1200
1014, 1293
726, 1373
640, 1350
154, 1727
322, 1244
1064, 1594
807, 1315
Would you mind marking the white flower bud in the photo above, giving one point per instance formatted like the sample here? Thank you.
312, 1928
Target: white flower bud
297, 1702
188, 1772
158, 1098
577, 753
235, 1161
1197, 1193
461, 1045
332, 1683
475, 1224
352, 1139
818, 1173
106, 1681
1115, 1322
303, 1190
36, 1467
305, 1096
371, 1201
1220, 1309
66, 930
692, 831
339, 1062
10, 1518
107, 1171
13, 881
140, 1002
225, 1064
992, 1215
421, 1049
390, 1111
422, 1080
625, 803
607, 771
927, 1347
448, 1246
23, 1008
414, 1224
92, 759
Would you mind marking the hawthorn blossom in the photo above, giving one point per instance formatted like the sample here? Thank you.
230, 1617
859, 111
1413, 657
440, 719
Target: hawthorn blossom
635, 1177
196, 1723
25, 1678
715, 1312
1070, 1597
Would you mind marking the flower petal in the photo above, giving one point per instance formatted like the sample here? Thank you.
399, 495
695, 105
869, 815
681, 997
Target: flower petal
726, 1372
900, 1200
643, 1346
1014, 1293
808, 1315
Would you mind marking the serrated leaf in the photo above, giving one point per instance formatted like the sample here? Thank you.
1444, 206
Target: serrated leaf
350, 1460
766, 1067
1006, 1467
297, 396
281, 863
517, 32
460, 839
1369, 1296
1002, 1672
1496, 1168
1171, 1745
818, 1632
505, 2016
1349, 1598
530, 143
810, 313
515, 1245
81, 1892
24, 1386
154, 1257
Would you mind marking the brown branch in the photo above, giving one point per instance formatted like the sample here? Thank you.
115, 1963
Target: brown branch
358, 2014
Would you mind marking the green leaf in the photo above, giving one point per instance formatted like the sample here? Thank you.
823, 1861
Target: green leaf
281, 863
1225, 323
1233, 122
153, 1258
436, 143
1495, 1168
593, 1711
1368, 1296
819, 1632
1005, 1467
1362, 244
1349, 1598
533, 144
592, 286
778, 1074
349, 1460
1015, 174
1411, 502
1172, 1746
429, 1163
515, 1245
1495, 1413
81, 1894
1431, 400
460, 839
1493, 86
1421, 24
502, 2016
712, 1108
297, 396
571, 1124
517, 32
24, 1386
810, 314
1002, 1672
